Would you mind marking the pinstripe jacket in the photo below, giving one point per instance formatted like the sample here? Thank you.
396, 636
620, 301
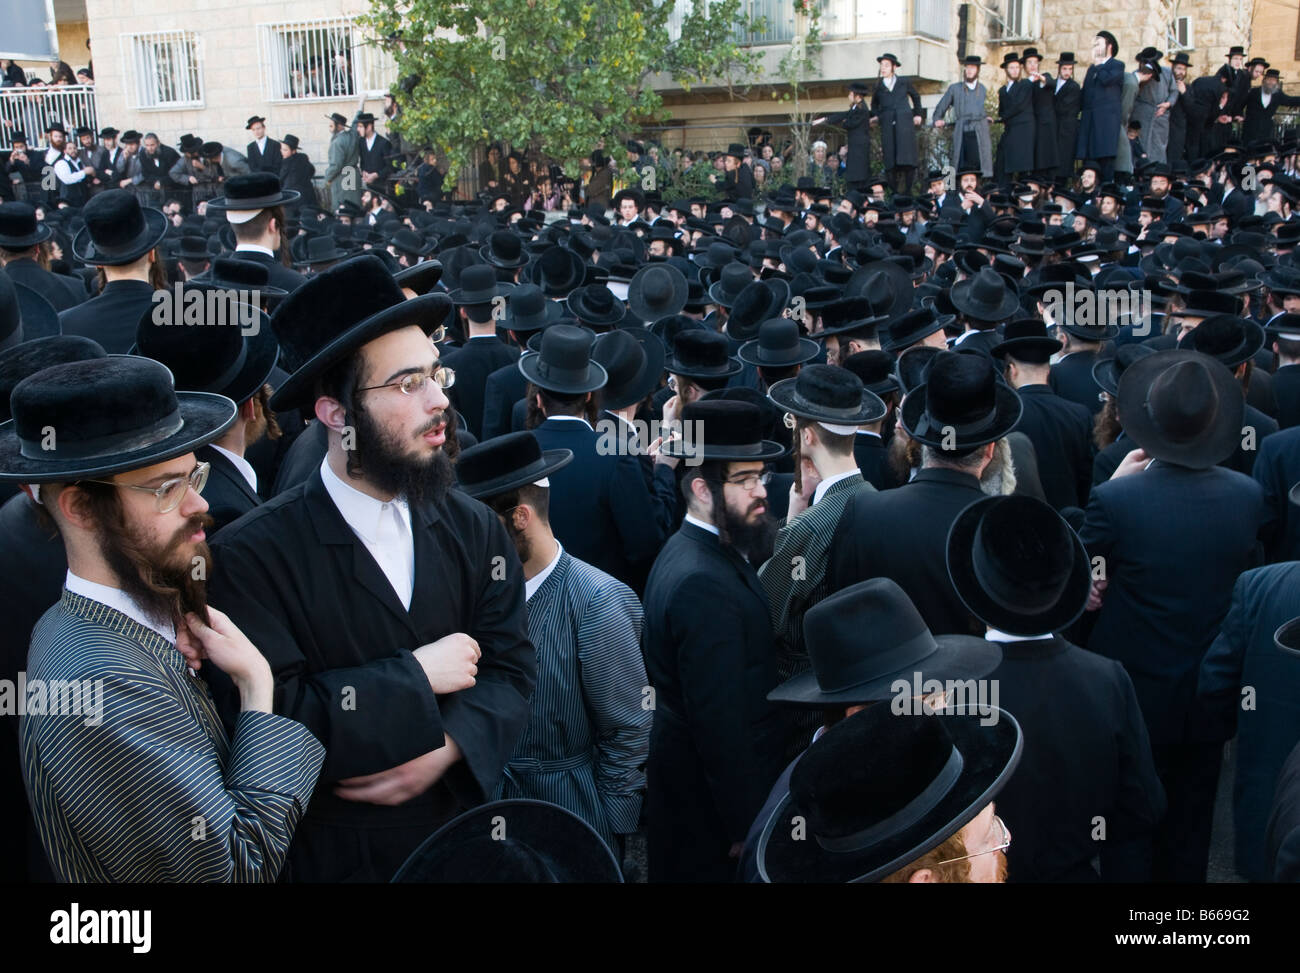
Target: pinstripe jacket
148, 788
588, 731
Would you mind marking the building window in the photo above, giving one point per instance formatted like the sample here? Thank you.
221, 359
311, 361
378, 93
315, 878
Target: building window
321, 60
162, 69
1013, 20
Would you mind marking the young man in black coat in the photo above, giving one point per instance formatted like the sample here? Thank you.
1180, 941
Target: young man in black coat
263, 152
1016, 112
856, 122
297, 174
1071, 375
1066, 104
20, 239
254, 206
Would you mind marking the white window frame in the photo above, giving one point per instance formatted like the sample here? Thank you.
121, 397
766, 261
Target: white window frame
143, 53
1027, 27
1174, 43
286, 46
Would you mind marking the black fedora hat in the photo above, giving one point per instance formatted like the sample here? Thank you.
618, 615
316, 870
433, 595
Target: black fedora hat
914, 326
19, 228
109, 415
542, 843
557, 270
852, 315
193, 246
564, 365
1208, 304
827, 393
1018, 566
30, 357
317, 250
117, 230
875, 368
421, 278
411, 244
218, 352
633, 358
506, 463
1106, 372
1026, 340
1230, 339
528, 309
249, 194
732, 279
479, 285
849, 670
985, 296
504, 249
778, 345
700, 353
595, 305
961, 404
730, 431
335, 313
233, 273
756, 303
1182, 407
656, 291
878, 790
1282, 279
885, 284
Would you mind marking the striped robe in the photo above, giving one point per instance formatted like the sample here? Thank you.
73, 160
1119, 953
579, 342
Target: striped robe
155, 792
588, 730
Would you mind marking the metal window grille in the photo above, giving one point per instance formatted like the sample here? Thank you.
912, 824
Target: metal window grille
30, 110
163, 69
321, 60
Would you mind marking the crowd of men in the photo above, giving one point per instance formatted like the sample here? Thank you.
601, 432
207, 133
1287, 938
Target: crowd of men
834, 539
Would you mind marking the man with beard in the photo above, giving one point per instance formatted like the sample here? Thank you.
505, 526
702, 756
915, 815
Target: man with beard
390, 608
129, 772
1262, 104
715, 745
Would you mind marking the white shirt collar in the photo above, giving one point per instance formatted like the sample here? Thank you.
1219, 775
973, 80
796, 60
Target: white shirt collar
702, 525
970, 85
825, 485
360, 510
571, 419
240, 463
870, 432
255, 248
1265, 98
535, 582
994, 635
118, 600
261, 143
890, 81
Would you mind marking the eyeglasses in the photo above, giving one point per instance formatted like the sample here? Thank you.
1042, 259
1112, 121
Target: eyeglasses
416, 383
751, 480
168, 496
1006, 843
672, 382
436, 336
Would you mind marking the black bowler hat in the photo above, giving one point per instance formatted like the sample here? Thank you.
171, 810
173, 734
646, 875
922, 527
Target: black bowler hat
986, 296
890, 57
1018, 566
778, 345
1182, 407
656, 291
848, 670
504, 249
595, 305
961, 404
118, 230
19, 228
479, 285
540, 843
557, 270
827, 393
528, 309
1027, 340
564, 364
209, 355
506, 463
1067, 57
1227, 337
700, 353
335, 313
107, 415
1011, 57
1107, 372
875, 368
411, 244
730, 431
30, 357
248, 195
633, 358
877, 791
912, 327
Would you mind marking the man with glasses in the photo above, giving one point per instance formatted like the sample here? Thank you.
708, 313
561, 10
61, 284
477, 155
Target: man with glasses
390, 607
130, 774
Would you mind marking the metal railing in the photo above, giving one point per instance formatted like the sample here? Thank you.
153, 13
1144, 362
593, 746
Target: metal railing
31, 110
840, 19
321, 60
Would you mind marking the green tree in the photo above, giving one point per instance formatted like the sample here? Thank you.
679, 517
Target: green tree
565, 76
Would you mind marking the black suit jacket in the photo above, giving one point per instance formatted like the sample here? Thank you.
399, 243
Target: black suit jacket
297, 173
1060, 431
112, 317
503, 388
1277, 470
871, 453
902, 534
1258, 124
374, 159
1286, 389
228, 494
1071, 379
301, 585
1174, 541
1086, 754
268, 161
715, 743
280, 275
62, 292
1066, 105
473, 362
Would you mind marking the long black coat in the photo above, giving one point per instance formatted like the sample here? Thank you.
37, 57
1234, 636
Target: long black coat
1276, 470
1045, 137
1061, 431
1201, 107
304, 589
473, 362
1071, 378
268, 161
1258, 124
1099, 123
894, 111
1086, 754
501, 391
1016, 112
112, 317
715, 743
297, 174
279, 275
375, 158
856, 123
1174, 541
62, 292
902, 534
228, 494
1286, 390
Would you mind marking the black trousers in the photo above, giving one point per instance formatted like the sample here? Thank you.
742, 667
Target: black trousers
900, 179
1190, 775
969, 156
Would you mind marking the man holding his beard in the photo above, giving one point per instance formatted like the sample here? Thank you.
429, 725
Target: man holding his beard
715, 745
390, 608
131, 776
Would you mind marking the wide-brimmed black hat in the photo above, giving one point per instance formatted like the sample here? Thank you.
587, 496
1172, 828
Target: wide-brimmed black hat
335, 313
1227, 337
1027, 340
885, 284
540, 843
778, 345
1018, 566
1106, 372
986, 296
421, 278
557, 270
506, 463
1182, 407
848, 670
732, 280
317, 250
117, 230
595, 305
233, 273
877, 791
564, 365
504, 249
633, 358
19, 228
411, 244
29, 357
656, 291
479, 285
961, 404
528, 309
912, 327
700, 353
827, 393
758, 302
1280, 279
729, 431
108, 415
248, 195
875, 368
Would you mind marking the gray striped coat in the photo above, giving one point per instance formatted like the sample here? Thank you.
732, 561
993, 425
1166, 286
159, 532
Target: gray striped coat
152, 790
588, 730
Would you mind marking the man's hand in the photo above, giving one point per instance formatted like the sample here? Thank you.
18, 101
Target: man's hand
399, 784
227, 648
818, 121
193, 181
451, 663
1162, 108
1096, 593
938, 123
916, 119
1133, 462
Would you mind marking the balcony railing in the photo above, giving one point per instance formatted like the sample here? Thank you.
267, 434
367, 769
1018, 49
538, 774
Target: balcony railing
31, 110
840, 19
